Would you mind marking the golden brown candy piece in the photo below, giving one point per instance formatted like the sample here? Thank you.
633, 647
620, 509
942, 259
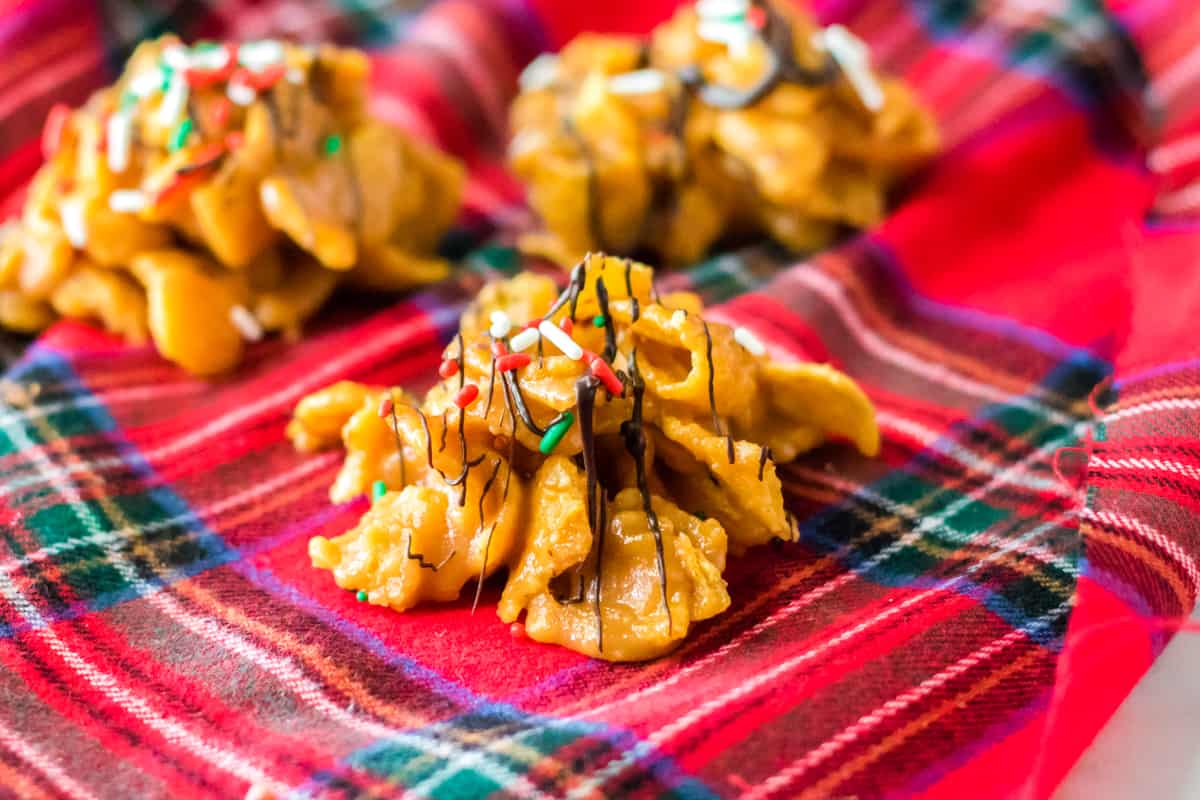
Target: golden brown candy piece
615, 538
250, 181
673, 143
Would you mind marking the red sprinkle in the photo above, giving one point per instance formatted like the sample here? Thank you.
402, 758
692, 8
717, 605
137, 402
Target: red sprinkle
203, 78
498, 349
517, 631
259, 80
512, 361
756, 17
466, 395
221, 109
179, 184
234, 140
52, 131
449, 368
601, 370
566, 324
385, 405
533, 323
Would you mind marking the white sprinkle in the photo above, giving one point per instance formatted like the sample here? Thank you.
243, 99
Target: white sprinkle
257, 791
501, 325
855, 61
70, 212
734, 34
268, 195
146, 83
174, 101
119, 134
127, 201
641, 81
679, 317
176, 57
209, 59
240, 93
561, 339
541, 73
295, 75
246, 323
748, 340
262, 53
523, 340
718, 9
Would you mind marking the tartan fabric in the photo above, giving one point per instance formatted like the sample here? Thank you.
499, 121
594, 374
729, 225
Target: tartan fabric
959, 618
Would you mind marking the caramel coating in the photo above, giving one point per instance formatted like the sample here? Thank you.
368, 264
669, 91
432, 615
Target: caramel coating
469, 491
172, 197
624, 147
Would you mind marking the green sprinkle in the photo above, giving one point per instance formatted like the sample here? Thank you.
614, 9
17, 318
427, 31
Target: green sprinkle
555, 434
333, 143
700, 515
167, 74
361, 596
128, 99
599, 321
378, 490
180, 136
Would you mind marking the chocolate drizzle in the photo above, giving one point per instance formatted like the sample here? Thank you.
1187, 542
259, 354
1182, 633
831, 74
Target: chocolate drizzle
491, 388
781, 66
763, 454
634, 309
635, 444
712, 391
585, 396
610, 331
445, 427
487, 487
571, 293
461, 477
513, 385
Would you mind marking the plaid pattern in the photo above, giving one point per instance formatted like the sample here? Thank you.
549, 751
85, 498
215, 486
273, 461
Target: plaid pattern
960, 615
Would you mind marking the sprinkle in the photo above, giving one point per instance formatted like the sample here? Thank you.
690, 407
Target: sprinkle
448, 368
211, 57
378, 490
598, 321
127, 201
70, 211
466, 396
512, 361
640, 81
269, 195
385, 406
599, 368
295, 75
333, 143
234, 140
146, 83
259, 54
173, 102
523, 340
556, 433
361, 596
678, 317
180, 136
221, 109
259, 792
517, 631
176, 57
52, 131
560, 339
118, 136
541, 73
700, 515
567, 324
498, 349
855, 61
533, 323
748, 340
501, 325
240, 93
263, 79
246, 323
722, 9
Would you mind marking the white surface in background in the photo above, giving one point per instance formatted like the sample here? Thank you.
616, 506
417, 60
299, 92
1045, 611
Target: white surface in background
1150, 749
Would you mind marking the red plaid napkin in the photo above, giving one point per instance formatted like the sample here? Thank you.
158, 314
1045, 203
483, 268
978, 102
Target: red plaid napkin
961, 614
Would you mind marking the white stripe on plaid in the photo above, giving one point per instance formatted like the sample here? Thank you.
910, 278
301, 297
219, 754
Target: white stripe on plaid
834, 294
891, 708
1146, 464
1150, 534
22, 748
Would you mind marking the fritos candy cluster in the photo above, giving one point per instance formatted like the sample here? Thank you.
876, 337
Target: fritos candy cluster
220, 191
734, 119
605, 446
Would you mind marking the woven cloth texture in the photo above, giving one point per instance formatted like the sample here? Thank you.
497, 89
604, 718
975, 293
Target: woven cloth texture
960, 615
